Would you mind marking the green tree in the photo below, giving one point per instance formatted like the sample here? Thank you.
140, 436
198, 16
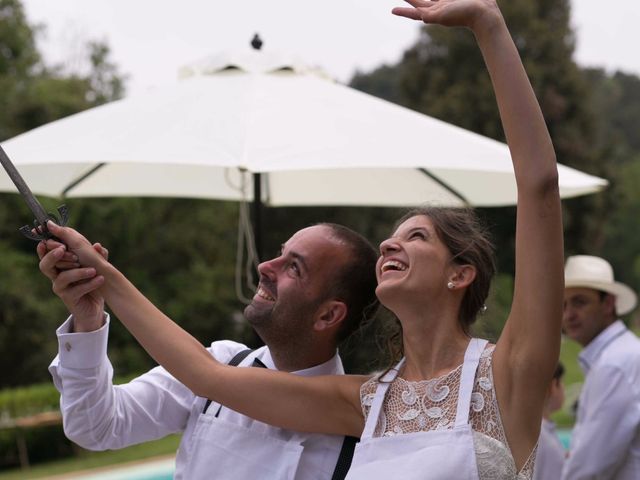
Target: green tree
443, 76
616, 100
19, 60
32, 93
592, 118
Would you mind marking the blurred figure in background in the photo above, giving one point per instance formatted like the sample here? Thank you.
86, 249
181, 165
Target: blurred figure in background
551, 453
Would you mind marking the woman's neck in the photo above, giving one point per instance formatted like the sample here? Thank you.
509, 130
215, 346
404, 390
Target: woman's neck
434, 344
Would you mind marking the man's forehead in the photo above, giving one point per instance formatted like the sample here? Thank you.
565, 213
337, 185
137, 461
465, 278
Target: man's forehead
316, 234
313, 240
575, 292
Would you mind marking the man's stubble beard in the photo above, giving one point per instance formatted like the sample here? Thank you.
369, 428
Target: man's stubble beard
281, 326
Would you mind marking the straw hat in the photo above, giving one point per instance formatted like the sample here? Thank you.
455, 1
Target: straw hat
594, 272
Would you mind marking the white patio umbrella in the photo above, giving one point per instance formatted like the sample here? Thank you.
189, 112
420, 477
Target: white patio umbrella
256, 126
314, 141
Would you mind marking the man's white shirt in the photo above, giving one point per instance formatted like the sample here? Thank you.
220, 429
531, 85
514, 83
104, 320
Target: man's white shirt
606, 438
98, 415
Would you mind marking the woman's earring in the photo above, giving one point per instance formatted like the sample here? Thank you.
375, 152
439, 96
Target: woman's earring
450, 285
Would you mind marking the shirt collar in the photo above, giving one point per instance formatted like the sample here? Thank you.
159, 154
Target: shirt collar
594, 349
333, 366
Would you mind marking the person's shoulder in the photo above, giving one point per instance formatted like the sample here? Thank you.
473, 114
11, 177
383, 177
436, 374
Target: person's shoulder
631, 340
225, 350
621, 359
622, 350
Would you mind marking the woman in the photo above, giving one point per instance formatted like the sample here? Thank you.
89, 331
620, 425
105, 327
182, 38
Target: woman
453, 407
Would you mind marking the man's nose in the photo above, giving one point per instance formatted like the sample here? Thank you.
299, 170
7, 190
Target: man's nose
567, 312
268, 268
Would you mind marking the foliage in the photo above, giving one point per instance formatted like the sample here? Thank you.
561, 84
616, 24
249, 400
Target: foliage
572, 380
82, 459
623, 230
43, 444
27, 318
615, 101
592, 117
443, 76
36, 398
490, 324
25, 401
32, 93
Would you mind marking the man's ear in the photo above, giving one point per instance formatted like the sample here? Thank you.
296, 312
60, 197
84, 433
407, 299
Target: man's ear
463, 275
330, 315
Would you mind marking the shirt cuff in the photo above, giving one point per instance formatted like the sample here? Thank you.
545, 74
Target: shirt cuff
83, 349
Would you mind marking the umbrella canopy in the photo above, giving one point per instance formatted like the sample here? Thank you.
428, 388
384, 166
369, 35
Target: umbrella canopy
314, 142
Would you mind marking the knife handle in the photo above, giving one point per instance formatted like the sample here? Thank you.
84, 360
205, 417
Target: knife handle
40, 232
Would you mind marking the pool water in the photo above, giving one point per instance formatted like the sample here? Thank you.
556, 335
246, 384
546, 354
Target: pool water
565, 436
153, 470
161, 476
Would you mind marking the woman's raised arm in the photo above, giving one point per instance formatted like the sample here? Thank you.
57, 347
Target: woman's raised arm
527, 351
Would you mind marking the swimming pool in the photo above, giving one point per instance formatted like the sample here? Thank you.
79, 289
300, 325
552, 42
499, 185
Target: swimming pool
565, 436
153, 470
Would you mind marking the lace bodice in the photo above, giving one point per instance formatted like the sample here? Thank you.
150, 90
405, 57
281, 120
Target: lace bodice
431, 405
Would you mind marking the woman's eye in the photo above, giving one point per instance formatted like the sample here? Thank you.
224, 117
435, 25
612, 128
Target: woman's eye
417, 234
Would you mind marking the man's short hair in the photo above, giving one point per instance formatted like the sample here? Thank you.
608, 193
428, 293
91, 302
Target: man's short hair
355, 282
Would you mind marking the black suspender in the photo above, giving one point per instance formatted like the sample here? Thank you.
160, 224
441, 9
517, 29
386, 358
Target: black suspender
234, 362
344, 460
348, 445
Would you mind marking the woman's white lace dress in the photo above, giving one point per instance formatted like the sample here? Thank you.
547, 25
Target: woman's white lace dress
431, 405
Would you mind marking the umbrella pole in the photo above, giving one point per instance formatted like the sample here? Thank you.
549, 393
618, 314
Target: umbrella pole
257, 215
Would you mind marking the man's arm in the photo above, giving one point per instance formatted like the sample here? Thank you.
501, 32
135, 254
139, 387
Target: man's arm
98, 415
607, 428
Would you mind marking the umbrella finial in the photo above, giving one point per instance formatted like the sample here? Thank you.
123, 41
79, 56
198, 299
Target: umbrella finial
256, 42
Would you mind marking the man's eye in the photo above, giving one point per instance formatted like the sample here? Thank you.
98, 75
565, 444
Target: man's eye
294, 267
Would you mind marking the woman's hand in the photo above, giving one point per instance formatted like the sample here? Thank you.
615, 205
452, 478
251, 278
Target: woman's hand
81, 250
473, 14
78, 287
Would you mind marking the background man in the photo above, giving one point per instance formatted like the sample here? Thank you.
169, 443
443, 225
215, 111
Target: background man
606, 437
310, 297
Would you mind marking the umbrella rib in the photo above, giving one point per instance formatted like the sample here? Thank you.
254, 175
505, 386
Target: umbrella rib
78, 180
450, 189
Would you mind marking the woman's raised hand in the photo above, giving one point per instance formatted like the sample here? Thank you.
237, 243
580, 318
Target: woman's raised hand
452, 13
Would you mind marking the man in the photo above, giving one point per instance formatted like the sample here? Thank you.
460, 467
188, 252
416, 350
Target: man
308, 300
606, 438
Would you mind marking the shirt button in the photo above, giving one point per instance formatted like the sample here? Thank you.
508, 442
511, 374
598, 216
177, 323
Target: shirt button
67, 346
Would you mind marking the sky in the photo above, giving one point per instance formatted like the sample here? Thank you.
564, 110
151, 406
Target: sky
151, 39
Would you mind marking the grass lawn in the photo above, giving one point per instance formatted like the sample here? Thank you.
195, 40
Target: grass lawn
87, 460
572, 380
